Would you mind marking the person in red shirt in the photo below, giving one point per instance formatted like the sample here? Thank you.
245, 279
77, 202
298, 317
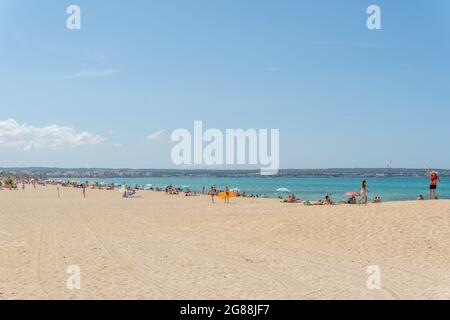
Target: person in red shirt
434, 179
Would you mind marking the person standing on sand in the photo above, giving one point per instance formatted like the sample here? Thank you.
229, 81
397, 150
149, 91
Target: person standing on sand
212, 193
364, 199
227, 195
434, 179
84, 190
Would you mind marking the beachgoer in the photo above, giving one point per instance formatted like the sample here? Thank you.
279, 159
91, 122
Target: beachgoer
328, 200
212, 193
227, 195
290, 199
434, 179
84, 190
364, 199
352, 200
420, 197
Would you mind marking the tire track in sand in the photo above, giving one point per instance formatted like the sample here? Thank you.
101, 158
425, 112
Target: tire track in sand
135, 273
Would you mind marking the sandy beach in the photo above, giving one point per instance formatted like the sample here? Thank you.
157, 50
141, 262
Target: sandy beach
177, 247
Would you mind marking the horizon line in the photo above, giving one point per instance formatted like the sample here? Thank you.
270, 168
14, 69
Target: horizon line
204, 169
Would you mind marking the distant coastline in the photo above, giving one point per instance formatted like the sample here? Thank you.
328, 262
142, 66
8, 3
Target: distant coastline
47, 172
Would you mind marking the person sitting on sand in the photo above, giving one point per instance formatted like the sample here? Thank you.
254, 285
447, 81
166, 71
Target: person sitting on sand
351, 200
191, 193
130, 194
420, 197
328, 200
377, 199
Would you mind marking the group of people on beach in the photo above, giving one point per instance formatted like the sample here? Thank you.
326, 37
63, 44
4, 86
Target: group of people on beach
363, 194
434, 180
225, 195
213, 192
364, 199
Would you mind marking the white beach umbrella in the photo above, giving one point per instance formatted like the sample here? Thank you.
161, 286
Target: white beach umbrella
283, 190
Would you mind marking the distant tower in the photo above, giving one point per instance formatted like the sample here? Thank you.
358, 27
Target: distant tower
389, 165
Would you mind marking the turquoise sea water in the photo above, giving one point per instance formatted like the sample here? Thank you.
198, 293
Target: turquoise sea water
390, 189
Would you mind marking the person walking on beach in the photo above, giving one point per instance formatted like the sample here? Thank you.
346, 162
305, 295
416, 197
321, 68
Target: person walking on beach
227, 195
84, 190
212, 192
434, 179
364, 199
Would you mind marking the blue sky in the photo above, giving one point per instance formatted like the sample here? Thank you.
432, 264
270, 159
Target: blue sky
341, 95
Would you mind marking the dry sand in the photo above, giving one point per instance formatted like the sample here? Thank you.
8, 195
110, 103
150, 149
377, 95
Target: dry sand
176, 247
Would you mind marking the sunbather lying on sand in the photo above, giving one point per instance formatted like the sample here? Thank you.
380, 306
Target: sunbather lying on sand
351, 200
326, 202
291, 199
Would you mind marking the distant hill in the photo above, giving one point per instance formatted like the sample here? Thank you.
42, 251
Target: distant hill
143, 173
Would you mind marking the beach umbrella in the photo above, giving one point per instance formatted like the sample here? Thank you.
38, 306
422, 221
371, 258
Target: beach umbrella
148, 186
352, 194
283, 190
186, 188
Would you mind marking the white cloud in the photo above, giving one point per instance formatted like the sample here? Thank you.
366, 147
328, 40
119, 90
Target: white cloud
77, 75
25, 137
157, 135
92, 74
357, 44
